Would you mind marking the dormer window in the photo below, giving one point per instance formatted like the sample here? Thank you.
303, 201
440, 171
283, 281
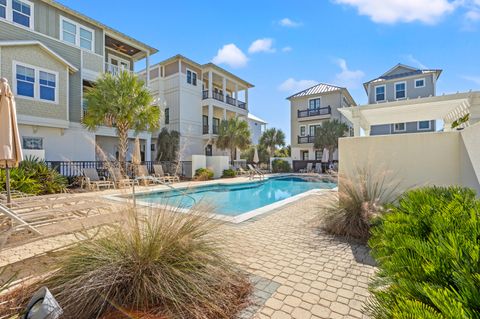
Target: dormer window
380, 93
419, 83
400, 90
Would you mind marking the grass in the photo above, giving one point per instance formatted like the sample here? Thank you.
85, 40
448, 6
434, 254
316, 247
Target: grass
156, 265
362, 196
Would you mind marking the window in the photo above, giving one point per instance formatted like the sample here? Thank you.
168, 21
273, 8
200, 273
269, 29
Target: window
304, 155
318, 155
21, 12
167, 115
35, 83
76, 34
380, 93
191, 77
208, 150
3, 9
25, 81
47, 86
400, 90
32, 143
423, 126
314, 104
313, 129
399, 127
302, 130
152, 147
419, 83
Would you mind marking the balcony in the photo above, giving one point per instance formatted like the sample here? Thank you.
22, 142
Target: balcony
215, 129
205, 94
218, 96
306, 139
315, 112
205, 129
228, 99
115, 69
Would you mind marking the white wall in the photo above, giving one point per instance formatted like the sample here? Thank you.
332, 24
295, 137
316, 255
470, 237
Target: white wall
198, 161
218, 164
256, 131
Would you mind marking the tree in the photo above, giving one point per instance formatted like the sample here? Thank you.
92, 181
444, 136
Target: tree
124, 102
272, 138
168, 144
249, 153
327, 135
284, 152
233, 134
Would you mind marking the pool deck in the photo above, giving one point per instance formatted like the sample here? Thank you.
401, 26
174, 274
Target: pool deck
298, 270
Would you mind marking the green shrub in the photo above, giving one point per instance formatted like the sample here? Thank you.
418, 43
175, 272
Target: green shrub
203, 174
229, 173
34, 177
164, 264
281, 166
428, 252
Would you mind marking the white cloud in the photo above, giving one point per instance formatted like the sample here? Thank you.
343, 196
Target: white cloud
286, 22
231, 55
411, 59
393, 11
348, 78
261, 45
287, 49
473, 15
474, 79
292, 85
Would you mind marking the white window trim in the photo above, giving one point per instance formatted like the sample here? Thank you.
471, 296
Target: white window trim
384, 92
196, 74
77, 34
300, 130
424, 83
36, 84
424, 129
314, 98
404, 128
309, 128
9, 14
119, 59
395, 90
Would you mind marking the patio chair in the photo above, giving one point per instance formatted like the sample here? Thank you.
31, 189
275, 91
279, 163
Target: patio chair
158, 169
147, 179
121, 180
264, 171
93, 181
318, 168
241, 171
308, 169
254, 171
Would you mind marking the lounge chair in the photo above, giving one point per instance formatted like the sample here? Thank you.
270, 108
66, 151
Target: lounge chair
318, 168
260, 169
254, 171
147, 179
158, 169
241, 171
308, 169
121, 180
93, 181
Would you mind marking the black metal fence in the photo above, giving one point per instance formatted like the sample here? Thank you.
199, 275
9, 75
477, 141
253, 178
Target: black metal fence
74, 168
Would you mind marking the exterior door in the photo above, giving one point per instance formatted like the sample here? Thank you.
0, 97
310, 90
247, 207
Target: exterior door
118, 63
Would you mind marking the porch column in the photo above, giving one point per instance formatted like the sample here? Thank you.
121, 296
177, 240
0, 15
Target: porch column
148, 148
224, 89
356, 127
147, 68
246, 99
210, 119
236, 94
210, 84
224, 114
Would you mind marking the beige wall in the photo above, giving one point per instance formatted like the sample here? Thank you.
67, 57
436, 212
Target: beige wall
35, 56
420, 159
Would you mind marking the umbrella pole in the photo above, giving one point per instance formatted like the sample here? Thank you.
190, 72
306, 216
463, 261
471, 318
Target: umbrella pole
9, 196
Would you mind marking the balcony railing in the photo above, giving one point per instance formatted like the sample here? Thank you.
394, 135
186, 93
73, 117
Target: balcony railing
231, 101
315, 112
215, 129
115, 69
306, 139
205, 129
205, 94
228, 99
218, 96
242, 105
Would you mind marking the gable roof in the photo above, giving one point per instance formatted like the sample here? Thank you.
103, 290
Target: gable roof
42, 46
320, 89
256, 119
411, 71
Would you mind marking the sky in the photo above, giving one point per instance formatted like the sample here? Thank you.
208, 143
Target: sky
284, 46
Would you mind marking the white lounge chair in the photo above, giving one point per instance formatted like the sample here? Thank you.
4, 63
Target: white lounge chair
93, 181
308, 169
146, 178
159, 173
121, 180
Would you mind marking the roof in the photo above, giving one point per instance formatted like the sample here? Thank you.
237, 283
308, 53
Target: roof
322, 88
214, 66
100, 25
256, 119
44, 47
411, 72
446, 107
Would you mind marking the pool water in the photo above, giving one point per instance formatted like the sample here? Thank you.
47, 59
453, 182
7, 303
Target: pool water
234, 200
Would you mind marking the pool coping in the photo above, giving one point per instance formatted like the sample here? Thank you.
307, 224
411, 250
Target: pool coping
232, 219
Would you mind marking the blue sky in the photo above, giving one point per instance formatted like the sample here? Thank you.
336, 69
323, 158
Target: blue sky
298, 43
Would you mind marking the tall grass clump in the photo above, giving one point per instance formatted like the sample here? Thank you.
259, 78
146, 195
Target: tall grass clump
164, 264
362, 196
428, 251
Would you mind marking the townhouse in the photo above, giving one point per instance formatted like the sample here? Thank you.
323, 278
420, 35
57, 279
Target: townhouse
309, 108
194, 98
51, 54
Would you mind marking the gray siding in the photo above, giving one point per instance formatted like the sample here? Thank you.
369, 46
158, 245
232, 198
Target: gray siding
71, 54
412, 92
411, 127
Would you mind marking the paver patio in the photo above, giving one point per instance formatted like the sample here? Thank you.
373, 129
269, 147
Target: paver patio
298, 270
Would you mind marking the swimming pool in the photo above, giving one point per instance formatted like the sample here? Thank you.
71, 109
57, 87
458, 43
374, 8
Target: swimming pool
233, 200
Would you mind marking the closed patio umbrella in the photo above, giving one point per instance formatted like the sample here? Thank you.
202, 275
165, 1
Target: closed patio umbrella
325, 155
136, 160
10, 147
255, 156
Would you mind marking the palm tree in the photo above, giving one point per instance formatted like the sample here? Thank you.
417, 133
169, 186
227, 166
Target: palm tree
272, 138
327, 135
124, 102
233, 134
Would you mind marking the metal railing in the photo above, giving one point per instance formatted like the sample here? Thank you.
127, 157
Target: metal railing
242, 105
205, 94
315, 112
215, 129
218, 96
205, 129
306, 139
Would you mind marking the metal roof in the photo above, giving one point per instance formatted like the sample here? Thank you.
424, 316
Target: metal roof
256, 119
317, 89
